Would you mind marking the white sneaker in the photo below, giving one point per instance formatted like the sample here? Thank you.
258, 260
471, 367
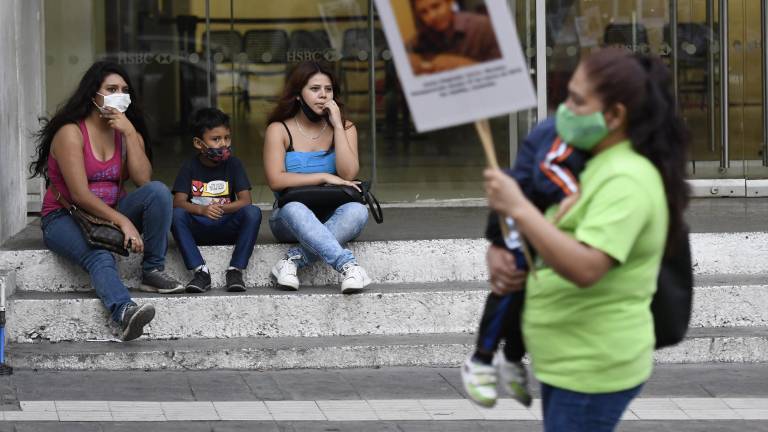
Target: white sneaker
284, 272
479, 382
355, 278
514, 378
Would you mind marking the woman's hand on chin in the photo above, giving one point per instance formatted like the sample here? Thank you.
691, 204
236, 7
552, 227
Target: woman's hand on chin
118, 121
334, 114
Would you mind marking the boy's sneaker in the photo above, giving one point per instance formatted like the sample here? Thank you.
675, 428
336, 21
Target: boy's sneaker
235, 281
479, 382
160, 282
134, 319
514, 379
200, 283
355, 278
284, 272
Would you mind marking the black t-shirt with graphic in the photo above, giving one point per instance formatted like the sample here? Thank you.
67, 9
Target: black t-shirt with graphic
206, 185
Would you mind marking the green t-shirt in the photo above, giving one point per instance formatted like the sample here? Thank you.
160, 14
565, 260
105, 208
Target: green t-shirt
600, 339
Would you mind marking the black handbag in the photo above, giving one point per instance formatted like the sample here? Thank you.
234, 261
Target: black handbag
98, 233
324, 199
672, 303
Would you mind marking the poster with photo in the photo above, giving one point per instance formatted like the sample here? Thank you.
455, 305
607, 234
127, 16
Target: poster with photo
456, 66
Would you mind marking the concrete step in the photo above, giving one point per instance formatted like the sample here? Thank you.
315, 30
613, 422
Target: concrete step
383, 309
385, 261
405, 261
747, 345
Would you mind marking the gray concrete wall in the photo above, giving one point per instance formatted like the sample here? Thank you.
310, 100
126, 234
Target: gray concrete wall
32, 87
21, 83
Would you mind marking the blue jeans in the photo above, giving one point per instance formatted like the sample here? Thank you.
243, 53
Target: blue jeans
294, 222
565, 410
239, 228
148, 208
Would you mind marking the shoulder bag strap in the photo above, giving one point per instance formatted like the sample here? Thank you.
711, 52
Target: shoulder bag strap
64, 203
376, 212
123, 158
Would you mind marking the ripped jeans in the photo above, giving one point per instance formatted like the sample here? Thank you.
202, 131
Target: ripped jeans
294, 222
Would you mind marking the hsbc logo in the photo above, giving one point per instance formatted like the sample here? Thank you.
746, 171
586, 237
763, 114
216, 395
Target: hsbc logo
164, 58
145, 58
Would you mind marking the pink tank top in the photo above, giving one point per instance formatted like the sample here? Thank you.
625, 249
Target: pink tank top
103, 177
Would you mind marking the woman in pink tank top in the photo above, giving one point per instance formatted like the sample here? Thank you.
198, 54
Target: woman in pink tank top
95, 139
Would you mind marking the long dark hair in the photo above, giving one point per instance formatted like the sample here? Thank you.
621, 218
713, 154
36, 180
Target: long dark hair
79, 106
288, 106
643, 85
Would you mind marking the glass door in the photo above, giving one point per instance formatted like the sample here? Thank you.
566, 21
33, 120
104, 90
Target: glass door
575, 28
720, 92
719, 57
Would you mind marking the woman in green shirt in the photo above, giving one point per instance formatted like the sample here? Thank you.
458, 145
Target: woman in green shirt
587, 322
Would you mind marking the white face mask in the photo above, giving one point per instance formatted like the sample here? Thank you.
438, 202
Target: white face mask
118, 101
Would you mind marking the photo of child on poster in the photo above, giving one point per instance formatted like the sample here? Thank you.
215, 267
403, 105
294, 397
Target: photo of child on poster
456, 65
446, 38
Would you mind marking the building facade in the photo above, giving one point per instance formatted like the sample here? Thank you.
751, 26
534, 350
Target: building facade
233, 54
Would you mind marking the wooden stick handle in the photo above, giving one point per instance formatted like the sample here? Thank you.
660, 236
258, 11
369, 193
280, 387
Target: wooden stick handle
484, 130
486, 138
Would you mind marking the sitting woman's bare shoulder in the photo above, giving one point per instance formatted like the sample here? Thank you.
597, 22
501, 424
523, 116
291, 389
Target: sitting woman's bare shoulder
275, 136
68, 132
67, 140
276, 129
68, 136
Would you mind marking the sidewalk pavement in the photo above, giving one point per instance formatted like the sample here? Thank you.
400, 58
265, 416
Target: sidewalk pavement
387, 399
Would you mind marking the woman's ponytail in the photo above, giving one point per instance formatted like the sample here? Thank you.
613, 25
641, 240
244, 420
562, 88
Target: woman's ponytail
664, 139
643, 84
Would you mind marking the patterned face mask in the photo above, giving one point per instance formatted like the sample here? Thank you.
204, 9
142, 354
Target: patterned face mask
216, 155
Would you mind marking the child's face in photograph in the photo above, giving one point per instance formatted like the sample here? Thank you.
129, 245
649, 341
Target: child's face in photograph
435, 14
218, 137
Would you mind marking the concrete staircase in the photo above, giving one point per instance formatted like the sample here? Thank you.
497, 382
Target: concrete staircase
422, 310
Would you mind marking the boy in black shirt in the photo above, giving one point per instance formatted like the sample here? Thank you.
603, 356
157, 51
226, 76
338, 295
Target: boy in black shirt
212, 203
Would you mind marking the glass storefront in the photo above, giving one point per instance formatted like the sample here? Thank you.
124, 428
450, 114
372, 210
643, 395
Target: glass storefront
720, 92
234, 54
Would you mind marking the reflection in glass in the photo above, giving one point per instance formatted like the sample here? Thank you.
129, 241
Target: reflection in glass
234, 54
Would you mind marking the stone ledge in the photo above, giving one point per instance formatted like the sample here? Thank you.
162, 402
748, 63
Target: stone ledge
386, 262
435, 350
716, 256
451, 307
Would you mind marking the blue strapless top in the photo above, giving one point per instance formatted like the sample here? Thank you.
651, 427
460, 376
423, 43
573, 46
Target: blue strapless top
310, 162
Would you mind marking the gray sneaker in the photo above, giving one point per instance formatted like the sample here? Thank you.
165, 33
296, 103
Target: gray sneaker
134, 319
160, 282
514, 378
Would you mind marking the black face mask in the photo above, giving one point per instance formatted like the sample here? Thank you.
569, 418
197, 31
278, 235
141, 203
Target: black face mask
311, 115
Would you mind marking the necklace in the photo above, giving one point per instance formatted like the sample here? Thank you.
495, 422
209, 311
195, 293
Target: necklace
313, 138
